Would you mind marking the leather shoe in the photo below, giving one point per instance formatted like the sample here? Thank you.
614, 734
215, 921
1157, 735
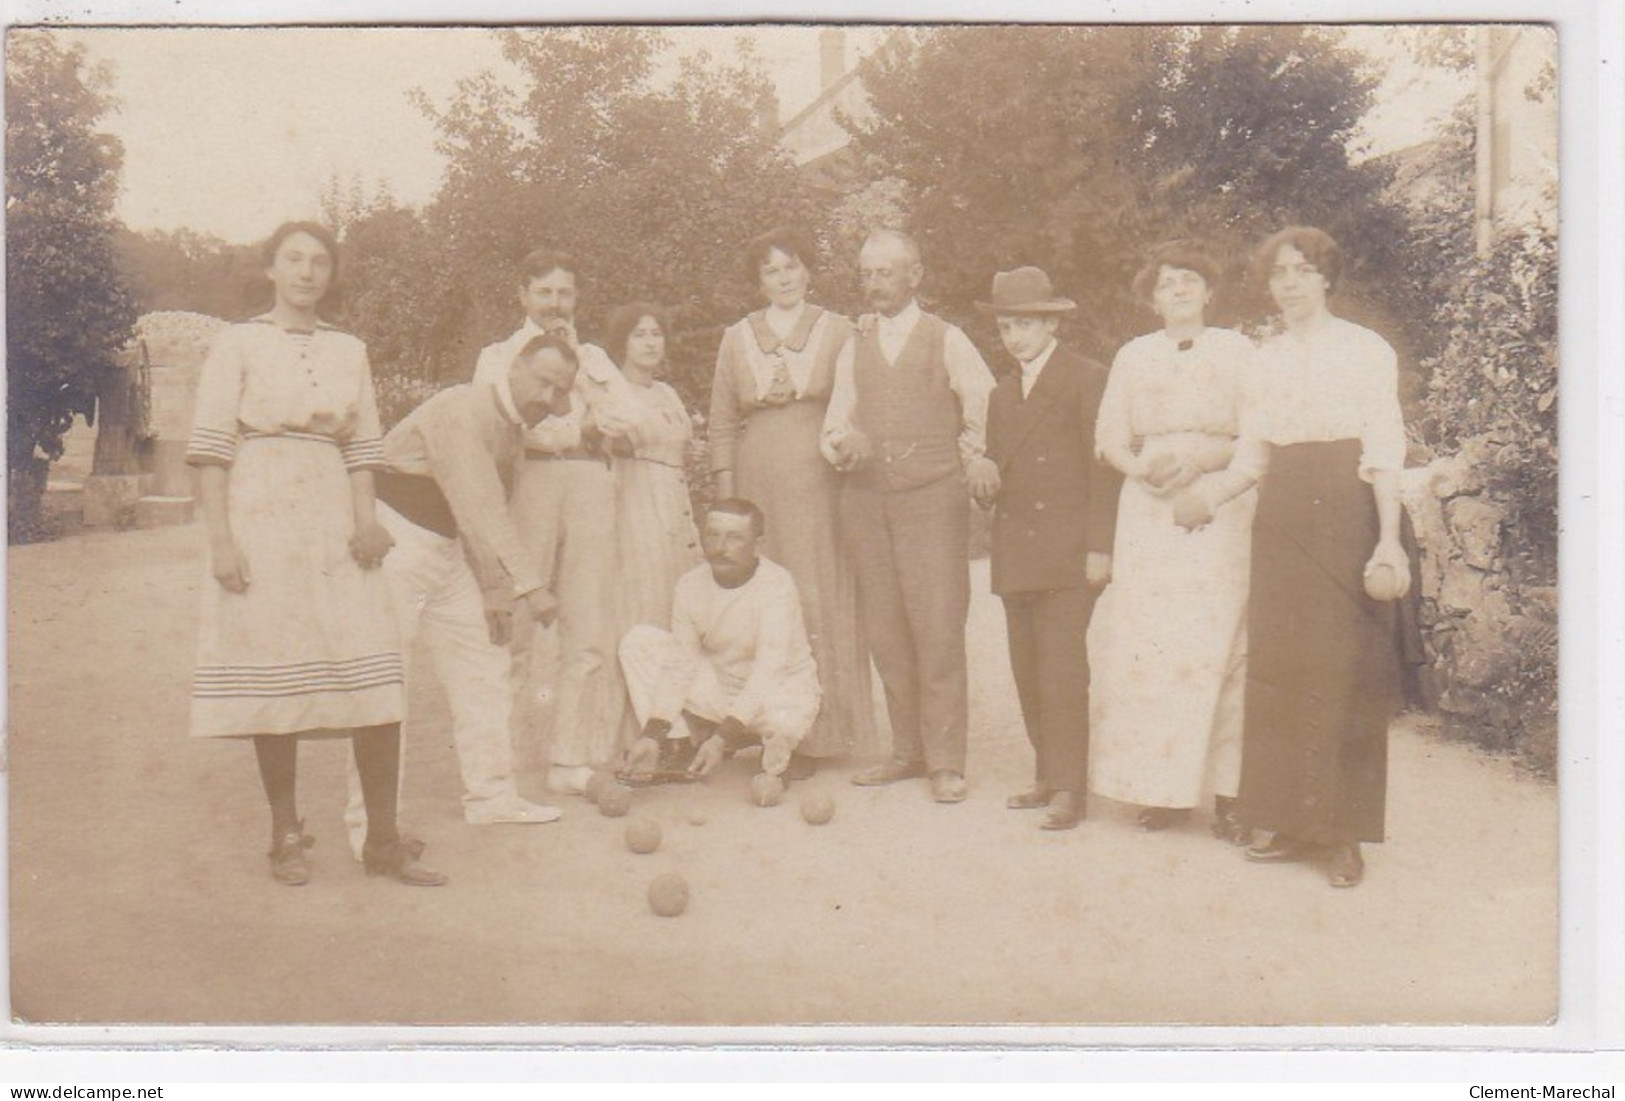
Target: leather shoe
1065, 812
1280, 849
1347, 866
1153, 819
948, 786
890, 773
288, 864
1227, 824
398, 861
1031, 799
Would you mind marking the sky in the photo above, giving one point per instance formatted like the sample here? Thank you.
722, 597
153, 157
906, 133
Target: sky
231, 131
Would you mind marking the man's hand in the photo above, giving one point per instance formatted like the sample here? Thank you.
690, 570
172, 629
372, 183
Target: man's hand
564, 328
369, 545
229, 566
1097, 568
852, 449
644, 756
709, 756
1192, 511
982, 475
499, 624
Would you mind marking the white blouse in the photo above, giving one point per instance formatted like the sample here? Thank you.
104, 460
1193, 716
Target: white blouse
1339, 381
1155, 389
793, 360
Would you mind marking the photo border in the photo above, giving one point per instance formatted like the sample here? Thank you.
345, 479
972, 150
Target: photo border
1592, 472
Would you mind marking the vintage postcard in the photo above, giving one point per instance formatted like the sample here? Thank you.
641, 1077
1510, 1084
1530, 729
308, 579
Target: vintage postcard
785, 530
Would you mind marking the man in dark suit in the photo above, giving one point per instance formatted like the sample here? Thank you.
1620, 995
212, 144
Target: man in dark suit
1055, 511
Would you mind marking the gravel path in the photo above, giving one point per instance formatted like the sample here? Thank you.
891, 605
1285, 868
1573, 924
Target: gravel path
139, 892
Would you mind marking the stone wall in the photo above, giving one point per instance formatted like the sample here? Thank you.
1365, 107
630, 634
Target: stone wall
1491, 634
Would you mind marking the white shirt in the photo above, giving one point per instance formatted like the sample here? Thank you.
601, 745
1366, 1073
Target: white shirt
1338, 381
1035, 367
599, 386
968, 377
797, 364
752, 636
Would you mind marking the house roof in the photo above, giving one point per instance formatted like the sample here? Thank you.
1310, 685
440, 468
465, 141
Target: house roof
825, 97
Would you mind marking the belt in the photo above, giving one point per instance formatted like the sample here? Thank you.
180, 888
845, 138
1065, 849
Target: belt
308, 437
576, 455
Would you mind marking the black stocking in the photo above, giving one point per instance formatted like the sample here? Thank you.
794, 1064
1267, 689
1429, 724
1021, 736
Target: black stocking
378, 760
278, 756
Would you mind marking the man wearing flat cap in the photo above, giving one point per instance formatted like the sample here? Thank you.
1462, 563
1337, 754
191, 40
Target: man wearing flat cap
1055, 507
906, 423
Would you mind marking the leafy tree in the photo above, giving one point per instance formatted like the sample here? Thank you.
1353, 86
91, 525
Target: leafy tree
189, 271
654, 186
1076, 148
68, 310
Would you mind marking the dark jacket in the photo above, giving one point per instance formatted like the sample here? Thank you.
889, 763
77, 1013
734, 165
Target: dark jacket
1057, 502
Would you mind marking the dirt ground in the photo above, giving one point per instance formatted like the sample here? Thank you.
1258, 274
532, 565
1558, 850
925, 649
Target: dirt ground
140, 892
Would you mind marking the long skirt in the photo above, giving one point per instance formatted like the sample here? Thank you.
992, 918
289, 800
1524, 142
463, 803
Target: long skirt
1167, 655
1323, 663
779, 467
656, 541
311, 645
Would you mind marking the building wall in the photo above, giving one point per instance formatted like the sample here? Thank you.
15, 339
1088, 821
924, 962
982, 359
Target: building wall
1525, 112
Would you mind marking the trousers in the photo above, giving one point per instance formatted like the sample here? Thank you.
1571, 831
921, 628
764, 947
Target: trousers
649, 655
437, 598
1050, 664
909, 548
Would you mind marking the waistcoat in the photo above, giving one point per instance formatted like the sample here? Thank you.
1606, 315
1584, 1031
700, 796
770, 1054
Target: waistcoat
907, 409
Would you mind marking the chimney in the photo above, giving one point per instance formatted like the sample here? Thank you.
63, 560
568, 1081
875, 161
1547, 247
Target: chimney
767, 114
831, 56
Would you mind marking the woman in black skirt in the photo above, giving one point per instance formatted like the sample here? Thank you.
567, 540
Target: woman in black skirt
1324, 436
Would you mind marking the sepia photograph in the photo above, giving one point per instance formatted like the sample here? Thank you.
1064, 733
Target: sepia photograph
759, 525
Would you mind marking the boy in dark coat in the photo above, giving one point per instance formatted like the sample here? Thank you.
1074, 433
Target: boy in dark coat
1055, 511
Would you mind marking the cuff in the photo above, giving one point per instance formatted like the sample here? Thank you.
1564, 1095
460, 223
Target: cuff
211, 447
363, 454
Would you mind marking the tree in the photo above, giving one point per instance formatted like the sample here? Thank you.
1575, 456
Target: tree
69, 312
1076, 148
655, 185
191, 272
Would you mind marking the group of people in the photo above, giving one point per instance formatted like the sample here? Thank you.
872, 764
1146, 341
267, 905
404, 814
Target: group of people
1198, 552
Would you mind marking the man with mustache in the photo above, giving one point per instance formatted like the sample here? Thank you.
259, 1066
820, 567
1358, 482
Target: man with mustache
459, 576
906, 423
562, 504
736, 668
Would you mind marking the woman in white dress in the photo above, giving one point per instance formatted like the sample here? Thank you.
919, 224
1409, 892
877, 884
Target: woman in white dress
1167, 642
656, 540
775, 369
297, 634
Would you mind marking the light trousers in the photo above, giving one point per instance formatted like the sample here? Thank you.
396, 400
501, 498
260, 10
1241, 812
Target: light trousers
438, 599
649, 656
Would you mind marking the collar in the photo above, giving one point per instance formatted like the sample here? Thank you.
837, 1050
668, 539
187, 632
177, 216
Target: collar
903, 323
796, 340
505, 401
756, 567
1031, 368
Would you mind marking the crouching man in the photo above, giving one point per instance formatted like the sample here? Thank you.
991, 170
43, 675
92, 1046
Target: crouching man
735, 670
